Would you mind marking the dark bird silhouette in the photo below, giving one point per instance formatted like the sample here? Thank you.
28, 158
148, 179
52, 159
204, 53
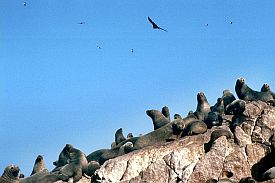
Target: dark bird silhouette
81, 23
25, 4
231, 22
155, 26
132, 50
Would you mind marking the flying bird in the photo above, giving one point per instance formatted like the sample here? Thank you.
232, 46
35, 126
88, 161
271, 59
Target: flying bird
206, 24
231, 22
25, 4
132, 50
155, 26
81, 23
98, 47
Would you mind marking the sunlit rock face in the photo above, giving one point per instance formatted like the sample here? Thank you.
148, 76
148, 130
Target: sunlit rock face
184, 160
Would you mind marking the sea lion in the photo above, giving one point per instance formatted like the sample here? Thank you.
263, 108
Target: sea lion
191, 114
218, 107
211, 181
227, 97
159, 119
237, 107
119, 137
103, 155
165, 112
266, 88
203, 107
10, 175
76, 167
244, 92
177, 116
92, 167
213, 119
269, 174
39, 165
130, 135
215, 135
64, 156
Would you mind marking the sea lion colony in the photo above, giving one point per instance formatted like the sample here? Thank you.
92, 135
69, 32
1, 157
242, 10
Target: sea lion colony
73, 163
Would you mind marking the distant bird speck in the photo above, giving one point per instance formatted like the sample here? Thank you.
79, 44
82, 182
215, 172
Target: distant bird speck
231, 22
25, 4
98, 47
81, 23
132, 50
206, 24
155, 26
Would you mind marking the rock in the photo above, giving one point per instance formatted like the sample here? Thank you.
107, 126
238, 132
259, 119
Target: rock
242, 138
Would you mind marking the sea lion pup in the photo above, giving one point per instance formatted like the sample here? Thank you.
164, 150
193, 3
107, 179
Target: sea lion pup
269, 174
215, 135
39, 165
237, 107
159, 118
227, 97
10, 174
247, 94
92, 167
119, 137
203, 107
266, 88
76, 167
64, 157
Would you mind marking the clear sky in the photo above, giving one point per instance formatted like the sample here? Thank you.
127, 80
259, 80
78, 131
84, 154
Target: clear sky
58, 87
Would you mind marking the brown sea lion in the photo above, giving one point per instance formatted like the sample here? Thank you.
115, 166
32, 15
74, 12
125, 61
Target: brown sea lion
159, 119
130, 135
10, 175
227, 97
244, 92
218, 107
266, 88
215, 135
237, 107
39, 165
203, 107
119, 137
64, 156
76, 167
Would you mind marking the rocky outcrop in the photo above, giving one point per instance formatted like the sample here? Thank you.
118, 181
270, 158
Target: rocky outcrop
185, 160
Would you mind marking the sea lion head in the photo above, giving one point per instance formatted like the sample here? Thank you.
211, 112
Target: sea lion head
165, 111
201, 98
265, 87
12, 172
39, 159
151, 113
240, 82
130, 135
177, 116
226, 91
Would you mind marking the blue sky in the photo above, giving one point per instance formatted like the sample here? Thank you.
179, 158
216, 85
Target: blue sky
57, 87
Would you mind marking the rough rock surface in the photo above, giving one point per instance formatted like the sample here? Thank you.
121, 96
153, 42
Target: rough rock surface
185, 160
